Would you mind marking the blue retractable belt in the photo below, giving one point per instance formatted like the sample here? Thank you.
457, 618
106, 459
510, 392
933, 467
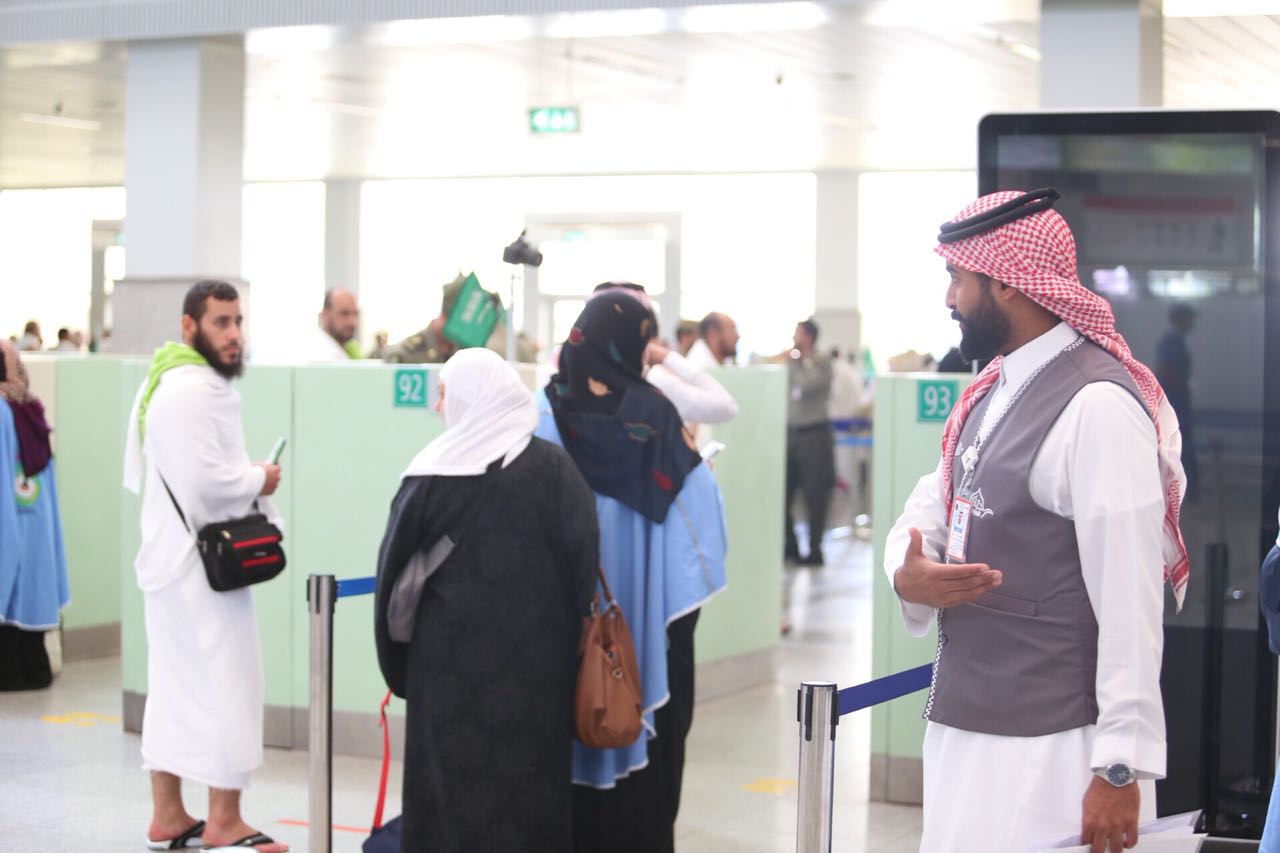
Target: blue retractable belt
355, 586
883, 689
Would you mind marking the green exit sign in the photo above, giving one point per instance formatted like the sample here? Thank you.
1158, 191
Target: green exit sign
934, 400
554, 120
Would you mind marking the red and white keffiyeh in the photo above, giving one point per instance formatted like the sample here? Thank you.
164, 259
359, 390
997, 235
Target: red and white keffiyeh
1037, 255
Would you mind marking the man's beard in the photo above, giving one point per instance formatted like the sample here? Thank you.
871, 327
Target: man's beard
333, 332
227, 371
985, 330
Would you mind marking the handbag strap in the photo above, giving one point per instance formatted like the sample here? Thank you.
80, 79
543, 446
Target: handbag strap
175, 502
608, 595
181, 515
386, 761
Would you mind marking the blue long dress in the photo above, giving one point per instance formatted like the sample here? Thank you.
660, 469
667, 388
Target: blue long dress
658, 573
33, 567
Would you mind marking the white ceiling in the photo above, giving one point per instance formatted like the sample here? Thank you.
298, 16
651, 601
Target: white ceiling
776, 86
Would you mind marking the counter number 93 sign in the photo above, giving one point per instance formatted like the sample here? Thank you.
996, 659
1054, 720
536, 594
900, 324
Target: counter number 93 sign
935, 400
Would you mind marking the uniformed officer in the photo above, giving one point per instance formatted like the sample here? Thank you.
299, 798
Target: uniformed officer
810, 442
431, 346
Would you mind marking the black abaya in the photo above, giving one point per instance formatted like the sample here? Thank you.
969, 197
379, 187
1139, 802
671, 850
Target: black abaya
490, 671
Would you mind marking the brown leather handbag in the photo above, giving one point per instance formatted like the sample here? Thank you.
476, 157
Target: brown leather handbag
606, 702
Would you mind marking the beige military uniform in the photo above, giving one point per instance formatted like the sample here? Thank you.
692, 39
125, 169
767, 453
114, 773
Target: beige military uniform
429, 347
421, 348
425, 348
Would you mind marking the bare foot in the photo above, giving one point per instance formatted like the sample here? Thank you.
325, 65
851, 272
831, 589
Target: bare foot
215, 836
170, 827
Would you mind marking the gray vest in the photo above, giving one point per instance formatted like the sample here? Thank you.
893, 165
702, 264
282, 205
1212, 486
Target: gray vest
1022, 660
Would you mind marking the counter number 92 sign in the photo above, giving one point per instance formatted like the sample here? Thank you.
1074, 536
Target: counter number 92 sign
935, 400
413, 388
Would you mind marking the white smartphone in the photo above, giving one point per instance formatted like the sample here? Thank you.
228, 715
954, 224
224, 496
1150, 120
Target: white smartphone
709, 452
274, 456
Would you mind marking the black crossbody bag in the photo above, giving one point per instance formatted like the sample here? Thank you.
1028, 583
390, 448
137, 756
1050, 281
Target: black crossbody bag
238, 552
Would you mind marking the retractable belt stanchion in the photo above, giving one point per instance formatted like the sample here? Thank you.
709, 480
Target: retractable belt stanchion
321, 594
323, 591
819, 707
816, 712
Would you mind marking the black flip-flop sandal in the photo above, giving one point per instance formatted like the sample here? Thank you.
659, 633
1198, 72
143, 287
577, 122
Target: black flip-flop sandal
248, 841
190, 838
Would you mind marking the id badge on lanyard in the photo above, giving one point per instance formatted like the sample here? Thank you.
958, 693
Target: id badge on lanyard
958, 532
962, 510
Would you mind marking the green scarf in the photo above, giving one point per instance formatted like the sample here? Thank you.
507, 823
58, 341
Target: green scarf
352, 349
169, 356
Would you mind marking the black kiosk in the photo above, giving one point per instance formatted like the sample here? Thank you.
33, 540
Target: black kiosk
1177, 222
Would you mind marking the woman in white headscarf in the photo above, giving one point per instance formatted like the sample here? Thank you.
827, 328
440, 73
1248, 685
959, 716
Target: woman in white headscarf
487, 657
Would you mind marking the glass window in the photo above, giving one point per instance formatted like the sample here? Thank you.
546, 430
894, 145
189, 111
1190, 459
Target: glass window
746, 243
46, 256
901, 283
282, 258
575, 267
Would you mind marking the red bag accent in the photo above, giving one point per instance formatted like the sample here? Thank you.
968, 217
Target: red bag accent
250, 543
386, 761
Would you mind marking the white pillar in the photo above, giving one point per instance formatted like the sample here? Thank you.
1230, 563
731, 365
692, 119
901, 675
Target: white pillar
342, 235
184, 141
836, 261
1101, 54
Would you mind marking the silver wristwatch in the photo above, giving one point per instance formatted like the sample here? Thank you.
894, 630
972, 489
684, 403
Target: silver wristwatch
1117, 774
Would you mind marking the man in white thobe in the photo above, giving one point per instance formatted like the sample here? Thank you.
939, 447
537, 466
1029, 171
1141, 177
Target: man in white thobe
1038, 546
203, 718
334, 339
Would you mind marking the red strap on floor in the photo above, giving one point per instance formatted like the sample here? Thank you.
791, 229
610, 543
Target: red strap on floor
386, 761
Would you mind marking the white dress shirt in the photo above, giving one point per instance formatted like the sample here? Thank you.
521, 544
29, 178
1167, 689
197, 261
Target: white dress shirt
701, 357
324, 348
1098, 467
697, 396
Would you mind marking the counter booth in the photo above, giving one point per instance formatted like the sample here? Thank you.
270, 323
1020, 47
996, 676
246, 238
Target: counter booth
351, 430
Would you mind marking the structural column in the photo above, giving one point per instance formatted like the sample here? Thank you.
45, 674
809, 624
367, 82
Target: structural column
342, 235
184, 141
836, 261
1101, 54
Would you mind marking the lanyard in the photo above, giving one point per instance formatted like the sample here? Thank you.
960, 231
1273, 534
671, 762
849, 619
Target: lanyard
969, 458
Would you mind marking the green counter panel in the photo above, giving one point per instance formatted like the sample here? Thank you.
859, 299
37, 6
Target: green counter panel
133, 634
347, 444
906, 447
751, 472
347, 465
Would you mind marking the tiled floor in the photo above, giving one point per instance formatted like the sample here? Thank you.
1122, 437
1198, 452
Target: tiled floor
70, 780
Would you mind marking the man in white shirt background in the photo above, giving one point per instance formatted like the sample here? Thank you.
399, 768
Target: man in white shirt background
717, 342
335, 339
1040, 544
690, 387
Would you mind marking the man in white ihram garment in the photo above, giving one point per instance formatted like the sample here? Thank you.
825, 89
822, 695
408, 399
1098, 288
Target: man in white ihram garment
1040, 545
203, 719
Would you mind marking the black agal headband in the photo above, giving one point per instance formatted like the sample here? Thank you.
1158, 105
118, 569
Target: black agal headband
1026, 204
